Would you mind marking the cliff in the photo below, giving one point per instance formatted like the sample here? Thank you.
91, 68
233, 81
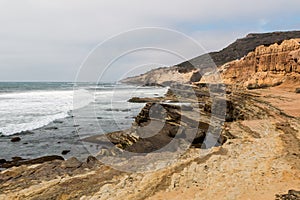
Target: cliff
242, 47
186, 73
266, 66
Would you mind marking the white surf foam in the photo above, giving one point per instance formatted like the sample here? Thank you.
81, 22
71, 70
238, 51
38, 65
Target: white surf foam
32, 110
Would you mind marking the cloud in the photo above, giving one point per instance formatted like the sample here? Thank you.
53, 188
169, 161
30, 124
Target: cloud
51, 38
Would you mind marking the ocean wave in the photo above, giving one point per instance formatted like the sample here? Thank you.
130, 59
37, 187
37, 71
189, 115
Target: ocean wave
31, 110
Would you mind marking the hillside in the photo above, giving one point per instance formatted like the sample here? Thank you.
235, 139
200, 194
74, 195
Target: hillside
186, 73
241, 47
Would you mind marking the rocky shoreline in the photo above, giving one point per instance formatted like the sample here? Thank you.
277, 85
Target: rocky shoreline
243, 134
201, 141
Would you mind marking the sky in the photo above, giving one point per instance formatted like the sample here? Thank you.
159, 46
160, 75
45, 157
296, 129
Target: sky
55, 40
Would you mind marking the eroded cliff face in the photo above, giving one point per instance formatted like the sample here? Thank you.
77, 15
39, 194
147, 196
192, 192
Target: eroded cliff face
265, 67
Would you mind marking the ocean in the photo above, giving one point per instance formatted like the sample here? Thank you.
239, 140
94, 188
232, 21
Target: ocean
48, 111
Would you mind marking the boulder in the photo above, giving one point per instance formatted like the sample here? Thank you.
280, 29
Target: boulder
2, 161
91, 161
196, 77
15, 139
65, 152
51, 128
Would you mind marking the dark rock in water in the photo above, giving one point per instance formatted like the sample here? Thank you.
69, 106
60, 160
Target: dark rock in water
15, 139
25, 143
110, 109
17, 158
58, 122
76, 125
118, 110
2, 161
152, 85
99, 118
65, 152
71, 163
17, 161
297, 90
51, 128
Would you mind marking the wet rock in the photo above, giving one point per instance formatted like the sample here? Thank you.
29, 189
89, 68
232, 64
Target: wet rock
17, 158
58, 122
15, 139
2, 161
51, 128
152, 85
65, 152
18, 161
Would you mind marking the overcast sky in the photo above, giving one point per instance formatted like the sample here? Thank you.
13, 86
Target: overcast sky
48, 40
